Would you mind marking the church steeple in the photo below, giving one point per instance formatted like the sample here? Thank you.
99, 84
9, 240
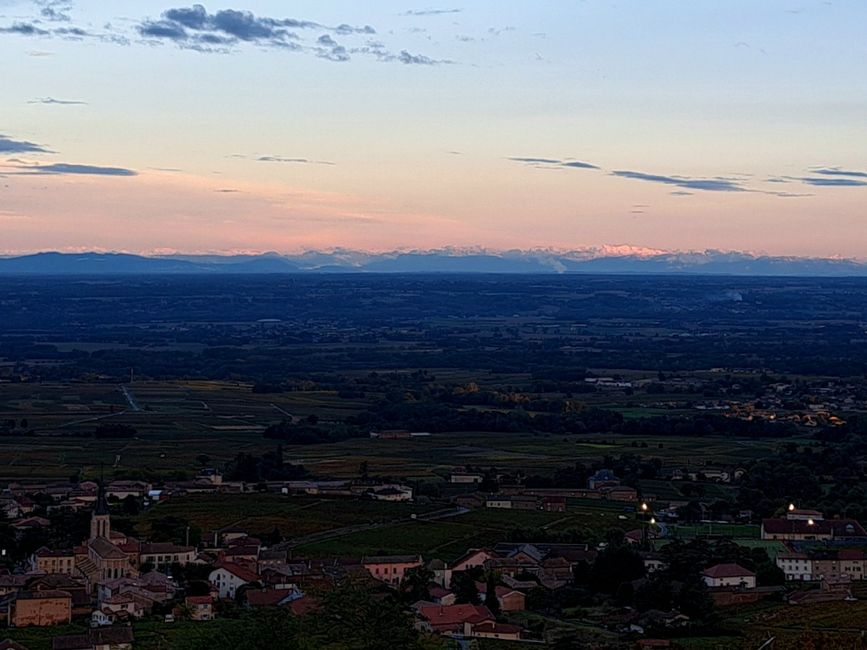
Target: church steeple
100, 520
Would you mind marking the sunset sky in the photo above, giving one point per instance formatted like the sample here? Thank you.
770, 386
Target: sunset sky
287, 126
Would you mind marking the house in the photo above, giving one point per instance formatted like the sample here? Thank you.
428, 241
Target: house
525, 502
124, 603
492, 630
122, 489
729, 575
76, 589
271, 597
201, 608
603, 478
796, 566
441, 595
390, 569
47, 561
554, 504
102, 618
228, 577
466, 478
442, 573
117, 637
473, 558
471, 501
501, 502
812, 529
852, 563
510, 600
451, 618
40, 608
620, 493
12, 583
163, 554
392, 493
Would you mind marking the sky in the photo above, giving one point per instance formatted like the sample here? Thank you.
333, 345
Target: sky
628, 125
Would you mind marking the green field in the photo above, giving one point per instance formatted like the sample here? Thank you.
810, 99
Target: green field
181, 420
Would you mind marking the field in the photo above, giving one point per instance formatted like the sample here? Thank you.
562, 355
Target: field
261, 513
181, 420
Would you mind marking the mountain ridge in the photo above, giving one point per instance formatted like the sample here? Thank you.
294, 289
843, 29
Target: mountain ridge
433, 261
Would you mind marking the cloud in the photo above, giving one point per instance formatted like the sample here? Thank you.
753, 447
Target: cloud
833, 182
836, 171
330, 49
162, 29
60, 102
24, 29
553, 162
577, 164
284, 159
195, 28
8, 145
681, 193
705, 184
430, 12
536, 161
417, 59
70, 168
55, 10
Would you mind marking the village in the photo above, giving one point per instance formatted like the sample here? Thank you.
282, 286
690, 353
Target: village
111, 580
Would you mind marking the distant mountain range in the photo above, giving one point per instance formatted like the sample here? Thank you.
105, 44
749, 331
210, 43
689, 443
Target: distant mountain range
438, 261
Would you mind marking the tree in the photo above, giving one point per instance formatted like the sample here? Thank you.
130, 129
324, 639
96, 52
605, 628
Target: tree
131, 505
416, 584
463, 585
491, 600
352, 618
613, 566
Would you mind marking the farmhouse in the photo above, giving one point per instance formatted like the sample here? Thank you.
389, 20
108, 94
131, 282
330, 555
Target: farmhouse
391, 569
812, 529
229, 577
451, 618
729, 575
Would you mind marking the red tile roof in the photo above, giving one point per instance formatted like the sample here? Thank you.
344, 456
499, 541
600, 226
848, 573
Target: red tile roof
238, 571
835, 527
453, 616
728, 570
492, 627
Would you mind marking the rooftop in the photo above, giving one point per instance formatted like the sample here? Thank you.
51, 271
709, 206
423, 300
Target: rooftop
728, 570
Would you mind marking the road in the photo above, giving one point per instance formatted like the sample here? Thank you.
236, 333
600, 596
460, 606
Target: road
130, 398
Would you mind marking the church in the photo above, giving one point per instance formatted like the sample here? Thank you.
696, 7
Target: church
106, 554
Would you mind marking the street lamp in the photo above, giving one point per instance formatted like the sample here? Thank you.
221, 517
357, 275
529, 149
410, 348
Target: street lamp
791, 507
645, 513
